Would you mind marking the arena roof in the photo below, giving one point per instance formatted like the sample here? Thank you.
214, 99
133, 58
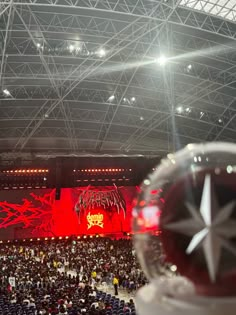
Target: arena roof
127, 77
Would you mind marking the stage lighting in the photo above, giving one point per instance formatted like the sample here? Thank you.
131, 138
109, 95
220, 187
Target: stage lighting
133, 99
162, 60
141, 118
189, 67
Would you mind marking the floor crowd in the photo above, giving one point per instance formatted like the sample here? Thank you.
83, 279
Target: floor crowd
63, 277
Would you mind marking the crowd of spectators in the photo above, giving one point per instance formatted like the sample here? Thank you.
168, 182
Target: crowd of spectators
66, 277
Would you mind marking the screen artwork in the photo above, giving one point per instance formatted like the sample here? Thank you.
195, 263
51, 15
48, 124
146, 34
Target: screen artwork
84, 210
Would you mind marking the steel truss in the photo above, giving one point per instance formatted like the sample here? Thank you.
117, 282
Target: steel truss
155, 9
60, 87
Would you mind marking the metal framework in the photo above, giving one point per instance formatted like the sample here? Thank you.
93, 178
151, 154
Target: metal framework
83, 76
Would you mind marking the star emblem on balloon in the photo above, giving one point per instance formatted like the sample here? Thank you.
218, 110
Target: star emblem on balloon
209, 226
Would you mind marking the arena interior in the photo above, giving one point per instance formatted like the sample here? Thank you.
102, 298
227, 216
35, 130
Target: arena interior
93, 94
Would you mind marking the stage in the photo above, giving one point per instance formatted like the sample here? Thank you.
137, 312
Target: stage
80, 211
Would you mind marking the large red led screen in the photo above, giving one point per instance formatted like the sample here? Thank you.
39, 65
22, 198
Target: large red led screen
80, 211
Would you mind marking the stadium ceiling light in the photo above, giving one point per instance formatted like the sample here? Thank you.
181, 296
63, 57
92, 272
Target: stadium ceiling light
179, 109
6, 92
38, 45
111, 98
102, 52
133, 99
220, 120
162, 60
189, 67
71, 48
141, 118
188, 110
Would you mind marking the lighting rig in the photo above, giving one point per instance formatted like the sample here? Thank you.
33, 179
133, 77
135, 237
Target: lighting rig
23, 178
63, 172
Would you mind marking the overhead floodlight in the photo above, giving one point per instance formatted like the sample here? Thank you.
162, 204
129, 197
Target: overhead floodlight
102, 52
111, 98
179, 109
220, 120
162, 60
133, 99
188, 110
6, 92
189, 67
38, 45
71, 48
141, 118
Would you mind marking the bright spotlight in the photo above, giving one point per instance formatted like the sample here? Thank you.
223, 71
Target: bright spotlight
6, 92
71, 48
188, 110
179, 109
102, 52
111, 98
162, 60
133, 99
141, 118
38, 45
189, 67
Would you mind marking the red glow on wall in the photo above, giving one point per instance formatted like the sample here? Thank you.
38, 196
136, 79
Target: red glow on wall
26, 214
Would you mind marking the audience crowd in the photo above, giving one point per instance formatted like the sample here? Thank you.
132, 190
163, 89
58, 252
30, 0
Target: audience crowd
67, 277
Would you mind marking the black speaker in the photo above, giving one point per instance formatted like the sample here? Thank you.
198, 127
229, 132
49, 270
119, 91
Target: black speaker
58, 178
58, 193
